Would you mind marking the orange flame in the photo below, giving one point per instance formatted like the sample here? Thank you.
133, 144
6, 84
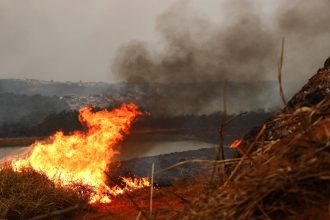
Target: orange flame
83, 156
235, 144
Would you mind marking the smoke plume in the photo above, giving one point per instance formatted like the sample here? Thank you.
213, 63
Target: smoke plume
243, 49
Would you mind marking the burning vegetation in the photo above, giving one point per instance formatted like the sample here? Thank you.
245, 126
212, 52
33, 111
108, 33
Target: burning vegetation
281, 170
81, 158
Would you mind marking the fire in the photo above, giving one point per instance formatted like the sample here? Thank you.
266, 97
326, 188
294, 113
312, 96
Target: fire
235, 144
83, 156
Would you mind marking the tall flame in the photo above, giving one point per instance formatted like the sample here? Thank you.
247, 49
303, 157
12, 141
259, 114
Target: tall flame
83, 156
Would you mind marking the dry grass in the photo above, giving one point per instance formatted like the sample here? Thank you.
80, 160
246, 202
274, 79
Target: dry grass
286, 174
294, 178
27, 194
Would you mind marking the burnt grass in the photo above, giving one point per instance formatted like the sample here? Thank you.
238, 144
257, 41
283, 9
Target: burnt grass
141, 167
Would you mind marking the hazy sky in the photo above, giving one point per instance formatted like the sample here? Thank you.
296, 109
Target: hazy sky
77, 39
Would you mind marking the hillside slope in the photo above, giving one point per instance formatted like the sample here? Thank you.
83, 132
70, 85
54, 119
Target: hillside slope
284, 171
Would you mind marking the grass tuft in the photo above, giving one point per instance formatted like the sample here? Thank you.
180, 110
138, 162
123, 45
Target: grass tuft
28, 194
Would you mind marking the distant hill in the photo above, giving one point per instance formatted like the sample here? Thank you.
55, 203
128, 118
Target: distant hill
50, 88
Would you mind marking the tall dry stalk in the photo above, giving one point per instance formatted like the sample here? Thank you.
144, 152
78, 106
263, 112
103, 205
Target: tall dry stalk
221, 155
138, 216
151, 187
219, 149
280, 69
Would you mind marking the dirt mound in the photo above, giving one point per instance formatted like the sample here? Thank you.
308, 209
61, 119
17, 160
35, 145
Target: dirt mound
284, 171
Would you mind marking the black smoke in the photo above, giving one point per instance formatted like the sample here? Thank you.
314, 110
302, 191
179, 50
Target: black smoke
243, 50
